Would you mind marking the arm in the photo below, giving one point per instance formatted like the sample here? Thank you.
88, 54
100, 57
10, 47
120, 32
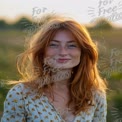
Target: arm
14, 106
101, 109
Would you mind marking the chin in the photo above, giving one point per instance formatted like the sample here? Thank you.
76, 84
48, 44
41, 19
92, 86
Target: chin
64, 67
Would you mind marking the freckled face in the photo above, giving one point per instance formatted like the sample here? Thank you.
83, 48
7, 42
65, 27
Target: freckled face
63, 51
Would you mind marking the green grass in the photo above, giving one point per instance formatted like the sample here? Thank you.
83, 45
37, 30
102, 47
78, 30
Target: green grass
11, 45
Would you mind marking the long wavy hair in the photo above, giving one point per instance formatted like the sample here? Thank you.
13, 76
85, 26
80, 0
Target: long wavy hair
85, 77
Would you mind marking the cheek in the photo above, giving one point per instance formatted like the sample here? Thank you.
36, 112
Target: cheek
50, 52
76, 56
76, 53
49, 57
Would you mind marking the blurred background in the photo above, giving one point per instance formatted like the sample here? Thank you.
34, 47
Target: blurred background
103, 20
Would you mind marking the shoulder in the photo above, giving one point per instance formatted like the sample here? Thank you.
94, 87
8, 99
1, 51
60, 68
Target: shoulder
18, 95
14, 105
21, 92
18, 92
99, 97
15, 94
100, 104
17, 89
20, 89
99, 94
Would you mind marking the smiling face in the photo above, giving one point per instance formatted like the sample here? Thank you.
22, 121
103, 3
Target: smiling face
63, 51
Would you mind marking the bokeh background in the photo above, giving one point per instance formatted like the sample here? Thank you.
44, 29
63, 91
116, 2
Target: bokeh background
103, 20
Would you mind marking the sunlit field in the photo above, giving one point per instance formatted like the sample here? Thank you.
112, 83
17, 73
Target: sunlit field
12, 43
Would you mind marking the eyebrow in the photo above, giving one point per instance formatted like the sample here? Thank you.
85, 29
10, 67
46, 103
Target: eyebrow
70, 41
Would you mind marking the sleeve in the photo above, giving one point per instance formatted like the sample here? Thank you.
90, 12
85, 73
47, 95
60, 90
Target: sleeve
14, 106
101, 109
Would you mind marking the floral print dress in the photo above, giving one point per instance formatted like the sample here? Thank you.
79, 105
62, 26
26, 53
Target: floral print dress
23, 105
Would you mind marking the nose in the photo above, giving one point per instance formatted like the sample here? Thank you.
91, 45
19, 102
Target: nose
63, 51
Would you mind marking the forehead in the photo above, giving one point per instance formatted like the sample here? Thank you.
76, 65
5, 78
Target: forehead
63, 35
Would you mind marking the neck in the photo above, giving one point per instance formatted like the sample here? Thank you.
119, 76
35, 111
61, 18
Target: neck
61, 80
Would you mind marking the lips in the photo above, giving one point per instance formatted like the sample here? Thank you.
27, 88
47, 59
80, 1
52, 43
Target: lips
63, 60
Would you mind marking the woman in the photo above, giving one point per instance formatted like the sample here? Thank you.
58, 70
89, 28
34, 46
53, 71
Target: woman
60, 81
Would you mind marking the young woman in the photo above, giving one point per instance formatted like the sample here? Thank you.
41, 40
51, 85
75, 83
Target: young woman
61, 82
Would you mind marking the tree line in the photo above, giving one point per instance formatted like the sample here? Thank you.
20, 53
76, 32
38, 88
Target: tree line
24, 22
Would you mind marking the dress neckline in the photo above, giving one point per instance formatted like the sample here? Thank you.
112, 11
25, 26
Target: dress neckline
56, 111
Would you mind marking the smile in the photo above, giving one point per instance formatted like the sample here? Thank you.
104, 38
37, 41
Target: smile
63, 60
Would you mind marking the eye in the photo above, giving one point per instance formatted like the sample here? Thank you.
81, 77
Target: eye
72, 46
53, 45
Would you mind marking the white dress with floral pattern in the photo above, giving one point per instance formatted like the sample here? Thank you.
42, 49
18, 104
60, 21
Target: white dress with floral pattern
23, 105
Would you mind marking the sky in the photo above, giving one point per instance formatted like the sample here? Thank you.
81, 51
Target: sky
85, 11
